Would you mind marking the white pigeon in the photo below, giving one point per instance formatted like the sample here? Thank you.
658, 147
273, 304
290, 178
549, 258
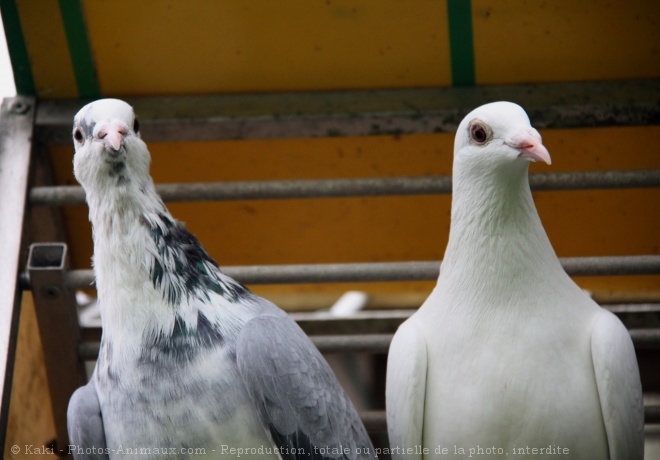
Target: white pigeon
191, 364
508, 357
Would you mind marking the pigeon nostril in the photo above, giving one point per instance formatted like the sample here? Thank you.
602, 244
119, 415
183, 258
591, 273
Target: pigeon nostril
112, 135
103, 133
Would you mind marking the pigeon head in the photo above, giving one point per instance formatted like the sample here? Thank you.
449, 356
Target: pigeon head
497, 133
109, 150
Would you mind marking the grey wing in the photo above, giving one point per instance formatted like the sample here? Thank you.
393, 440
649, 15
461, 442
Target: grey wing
85, 425
296, 393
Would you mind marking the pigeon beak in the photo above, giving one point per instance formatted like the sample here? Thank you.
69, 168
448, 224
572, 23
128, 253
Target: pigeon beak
530, 146
113, 135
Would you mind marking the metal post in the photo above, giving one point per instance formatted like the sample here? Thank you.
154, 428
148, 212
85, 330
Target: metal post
57, 315
16, 129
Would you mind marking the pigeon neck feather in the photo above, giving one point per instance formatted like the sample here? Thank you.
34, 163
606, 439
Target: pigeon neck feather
153, 277
496, 242
122, 249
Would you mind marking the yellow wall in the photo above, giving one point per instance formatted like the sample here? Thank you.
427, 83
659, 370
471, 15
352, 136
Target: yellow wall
207, 46
522, 42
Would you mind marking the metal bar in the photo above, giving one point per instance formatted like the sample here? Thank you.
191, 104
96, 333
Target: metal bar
333, 188
591, 180
374, 420
380, 343
57, 316
645, 338
377, 420
16, 130
370, 343
389, 271
633, 316
362, 113
370, 322
611, 265
359, 323
651, 414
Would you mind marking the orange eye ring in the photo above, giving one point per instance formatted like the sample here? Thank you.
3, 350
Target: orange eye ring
480, 133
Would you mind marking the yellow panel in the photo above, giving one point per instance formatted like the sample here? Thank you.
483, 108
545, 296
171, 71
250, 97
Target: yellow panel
30, 425
584, 223
565, 40
206, 46
47, 48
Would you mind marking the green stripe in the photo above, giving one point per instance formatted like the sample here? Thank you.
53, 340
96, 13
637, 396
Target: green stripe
81, 53
20, 62
461, 42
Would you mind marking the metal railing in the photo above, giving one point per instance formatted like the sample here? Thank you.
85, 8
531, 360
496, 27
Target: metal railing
333, 188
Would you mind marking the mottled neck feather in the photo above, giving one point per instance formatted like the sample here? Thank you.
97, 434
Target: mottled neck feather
496, 241
152, 274
112, 204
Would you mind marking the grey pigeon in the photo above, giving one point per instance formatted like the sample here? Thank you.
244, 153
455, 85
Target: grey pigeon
508, 357
191, 364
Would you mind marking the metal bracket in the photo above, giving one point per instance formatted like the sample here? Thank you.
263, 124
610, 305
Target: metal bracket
57, 316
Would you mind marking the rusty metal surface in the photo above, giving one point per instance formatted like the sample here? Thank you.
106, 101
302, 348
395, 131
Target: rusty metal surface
362, 113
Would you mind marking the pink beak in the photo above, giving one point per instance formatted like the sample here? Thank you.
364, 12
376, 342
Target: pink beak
530, 146
114, 135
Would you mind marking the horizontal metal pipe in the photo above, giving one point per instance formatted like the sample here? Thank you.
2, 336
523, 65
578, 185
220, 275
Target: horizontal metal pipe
645, 338
611, 265
368, 343
389, 271
651, 414
335, 273
334, 188
374, 420
374, 322
377, 420
380, 343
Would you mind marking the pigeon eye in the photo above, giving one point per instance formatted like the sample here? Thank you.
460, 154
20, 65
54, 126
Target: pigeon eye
78, 135
479, 133
136, 126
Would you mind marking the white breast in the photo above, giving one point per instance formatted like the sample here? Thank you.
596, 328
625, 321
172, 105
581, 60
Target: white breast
501, 381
